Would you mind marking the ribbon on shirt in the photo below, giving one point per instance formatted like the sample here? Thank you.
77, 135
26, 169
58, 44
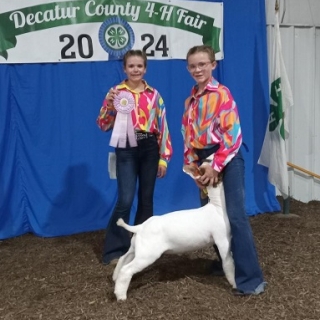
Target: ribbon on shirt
124, 103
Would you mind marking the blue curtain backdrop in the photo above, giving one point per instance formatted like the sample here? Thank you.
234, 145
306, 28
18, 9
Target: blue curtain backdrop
53, 157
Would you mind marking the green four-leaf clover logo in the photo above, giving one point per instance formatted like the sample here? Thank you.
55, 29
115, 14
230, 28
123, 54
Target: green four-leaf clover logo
117, 36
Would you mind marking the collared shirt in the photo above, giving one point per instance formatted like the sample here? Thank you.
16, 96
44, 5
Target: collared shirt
149, 115
211, 118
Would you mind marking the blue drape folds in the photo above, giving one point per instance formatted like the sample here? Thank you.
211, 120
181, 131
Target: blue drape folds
53, 158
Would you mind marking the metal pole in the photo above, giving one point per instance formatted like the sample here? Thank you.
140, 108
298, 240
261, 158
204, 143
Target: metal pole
286, 203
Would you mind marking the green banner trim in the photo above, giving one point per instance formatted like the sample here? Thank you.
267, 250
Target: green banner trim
56, 14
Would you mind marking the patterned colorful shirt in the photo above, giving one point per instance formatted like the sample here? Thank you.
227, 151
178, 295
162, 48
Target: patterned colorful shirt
211, 118
149, 115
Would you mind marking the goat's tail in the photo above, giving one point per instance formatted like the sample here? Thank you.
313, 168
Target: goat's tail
133, 229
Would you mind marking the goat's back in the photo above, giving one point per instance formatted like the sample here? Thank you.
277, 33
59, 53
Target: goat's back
186, 230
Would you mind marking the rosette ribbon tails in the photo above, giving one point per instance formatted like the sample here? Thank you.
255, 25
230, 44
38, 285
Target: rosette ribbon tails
123, 127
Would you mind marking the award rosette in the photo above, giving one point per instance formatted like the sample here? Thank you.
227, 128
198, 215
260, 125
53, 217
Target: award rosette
123, 127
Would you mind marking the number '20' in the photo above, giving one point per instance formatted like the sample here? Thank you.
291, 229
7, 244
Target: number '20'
85, 47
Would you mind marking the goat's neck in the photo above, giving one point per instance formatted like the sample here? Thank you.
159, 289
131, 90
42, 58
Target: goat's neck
216, 196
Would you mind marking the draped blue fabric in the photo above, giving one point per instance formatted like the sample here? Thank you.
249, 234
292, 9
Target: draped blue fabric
53, 158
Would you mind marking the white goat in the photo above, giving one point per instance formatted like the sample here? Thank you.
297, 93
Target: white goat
177, 232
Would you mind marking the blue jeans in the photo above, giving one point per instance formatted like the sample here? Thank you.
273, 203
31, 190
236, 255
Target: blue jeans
132, 164
248, 273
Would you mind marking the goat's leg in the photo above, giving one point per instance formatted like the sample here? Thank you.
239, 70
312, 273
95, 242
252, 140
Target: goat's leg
125, 259
224, 246
125, 274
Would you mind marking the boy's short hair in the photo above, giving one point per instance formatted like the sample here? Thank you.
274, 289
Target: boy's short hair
202, 48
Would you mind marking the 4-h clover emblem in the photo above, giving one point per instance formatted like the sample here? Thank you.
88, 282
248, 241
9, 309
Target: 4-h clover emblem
116, 37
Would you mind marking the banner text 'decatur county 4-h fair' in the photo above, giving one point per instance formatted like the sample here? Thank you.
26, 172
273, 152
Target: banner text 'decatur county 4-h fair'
35, 31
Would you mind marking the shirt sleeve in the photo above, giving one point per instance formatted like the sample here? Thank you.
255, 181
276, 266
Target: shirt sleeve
107, 115
164, 139
230, 130
189, 155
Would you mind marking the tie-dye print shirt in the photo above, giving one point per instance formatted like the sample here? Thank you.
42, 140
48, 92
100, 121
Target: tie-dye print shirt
149, 115
211, 118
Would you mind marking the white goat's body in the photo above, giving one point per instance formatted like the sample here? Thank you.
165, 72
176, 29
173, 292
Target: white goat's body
185, 230
176, 232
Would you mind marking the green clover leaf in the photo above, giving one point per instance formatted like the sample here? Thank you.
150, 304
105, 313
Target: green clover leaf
117, 36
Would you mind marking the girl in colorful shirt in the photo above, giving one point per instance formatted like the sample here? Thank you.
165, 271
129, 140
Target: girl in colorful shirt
142, 157
210, 124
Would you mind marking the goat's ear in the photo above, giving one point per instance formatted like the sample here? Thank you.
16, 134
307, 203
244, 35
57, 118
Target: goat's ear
192, 171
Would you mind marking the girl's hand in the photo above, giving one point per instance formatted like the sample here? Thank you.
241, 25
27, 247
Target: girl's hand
111, 95
161, 171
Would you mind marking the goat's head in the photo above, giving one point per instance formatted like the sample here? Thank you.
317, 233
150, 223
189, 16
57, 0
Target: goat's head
211, 191
214, 192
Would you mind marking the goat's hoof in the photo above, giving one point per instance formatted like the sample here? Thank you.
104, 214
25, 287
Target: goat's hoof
121, 296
